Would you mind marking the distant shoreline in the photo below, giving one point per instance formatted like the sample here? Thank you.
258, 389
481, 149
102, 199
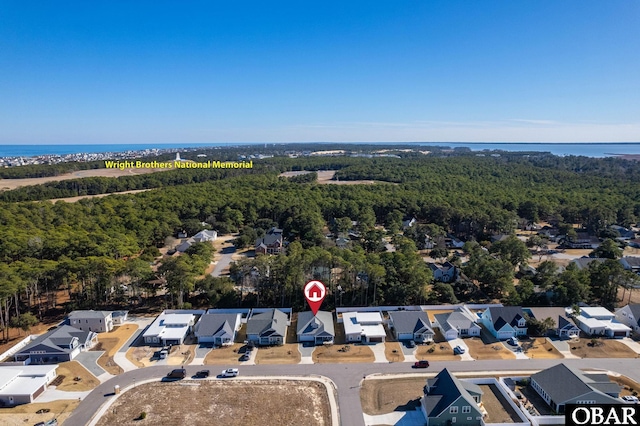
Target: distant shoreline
635, 157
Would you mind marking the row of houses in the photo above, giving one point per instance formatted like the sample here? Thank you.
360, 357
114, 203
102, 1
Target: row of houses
449, 400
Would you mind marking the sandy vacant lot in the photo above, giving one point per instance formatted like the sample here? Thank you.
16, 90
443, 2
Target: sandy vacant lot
479, 350
326, 176
223, 402
605, 348
540, 347
26, 414
343, 353
74, 199
68, 372
384, 396
110, 343
285, 354
8, 184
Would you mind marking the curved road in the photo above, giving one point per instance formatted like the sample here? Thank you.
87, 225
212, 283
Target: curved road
347, 378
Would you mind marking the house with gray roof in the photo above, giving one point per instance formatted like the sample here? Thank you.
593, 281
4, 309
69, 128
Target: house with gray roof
446, 273
562, 327
631, 263
98, 321
59, 345
318, 328
505, 322
459, 323
271, 243
267, 328
218, 329
411, 325
561, 385
630, 316
585, 261
448, 400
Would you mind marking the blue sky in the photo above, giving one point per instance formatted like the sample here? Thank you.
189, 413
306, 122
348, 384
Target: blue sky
241, 71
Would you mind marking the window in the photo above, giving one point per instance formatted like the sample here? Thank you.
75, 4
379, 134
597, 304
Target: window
453, 410
466, 409
453, 419
469, 418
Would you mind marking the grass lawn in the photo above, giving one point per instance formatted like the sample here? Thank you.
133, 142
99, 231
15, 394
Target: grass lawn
110, 343
224, 355
393, 352
343, 353
540, 348
436, 352
68, 371
26, 414
479, 350
605, 348
223, 402
284, 354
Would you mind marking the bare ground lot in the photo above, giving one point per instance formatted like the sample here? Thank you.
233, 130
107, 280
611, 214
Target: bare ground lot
8, 184
110, 343
74, 199
26, 414
540, 348
232, 403
284, 354
479, 350
343, 353
436, 352
68, 372
384, 396
606, 348
224, 355
393, 352
498, 409
326, 176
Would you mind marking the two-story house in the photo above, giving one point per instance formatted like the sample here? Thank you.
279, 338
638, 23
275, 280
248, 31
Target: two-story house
449, 401
630, 316
98, 321
505, 322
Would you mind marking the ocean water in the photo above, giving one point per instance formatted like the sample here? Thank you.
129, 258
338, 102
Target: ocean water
562, 149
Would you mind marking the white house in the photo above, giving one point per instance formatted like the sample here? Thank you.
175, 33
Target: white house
169, 329
505, 322
598, 321
23, 384
460, 323
363, 327
630, 315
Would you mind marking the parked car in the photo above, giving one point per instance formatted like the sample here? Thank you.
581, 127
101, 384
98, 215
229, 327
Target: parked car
421, 364
512, 341
163, 354
245, 356
411, 344
202, 374
177, 374
229, 372
458, 350
630, 398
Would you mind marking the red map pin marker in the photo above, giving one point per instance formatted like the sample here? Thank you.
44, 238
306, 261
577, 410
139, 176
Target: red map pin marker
315, 292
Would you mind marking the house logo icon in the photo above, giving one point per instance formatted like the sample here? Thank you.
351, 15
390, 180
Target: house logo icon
315, 291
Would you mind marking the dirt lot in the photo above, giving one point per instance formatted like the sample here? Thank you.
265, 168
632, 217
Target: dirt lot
393, 352
181, 354
141, 355
343, 353
74, 199
606, 348
479, 350
325, 176
540, 347
225, 355
7, 184
498, 409
68, 371
26, 414
285, 354
110, 343
385, 396
232, 403
436, 352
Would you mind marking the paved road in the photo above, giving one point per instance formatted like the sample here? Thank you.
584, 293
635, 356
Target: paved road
347, 378
225, 259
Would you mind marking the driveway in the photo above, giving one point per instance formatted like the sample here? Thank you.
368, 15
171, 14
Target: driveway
226, 257
397, 418
631, 344
201, 352
89, 361
306, 352
378, 352
460, 342
563, 347
409, 353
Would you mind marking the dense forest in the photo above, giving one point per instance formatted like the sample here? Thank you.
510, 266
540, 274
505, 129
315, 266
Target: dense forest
95, 246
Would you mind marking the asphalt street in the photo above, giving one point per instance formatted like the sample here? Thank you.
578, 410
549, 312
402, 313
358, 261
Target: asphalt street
347, 378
